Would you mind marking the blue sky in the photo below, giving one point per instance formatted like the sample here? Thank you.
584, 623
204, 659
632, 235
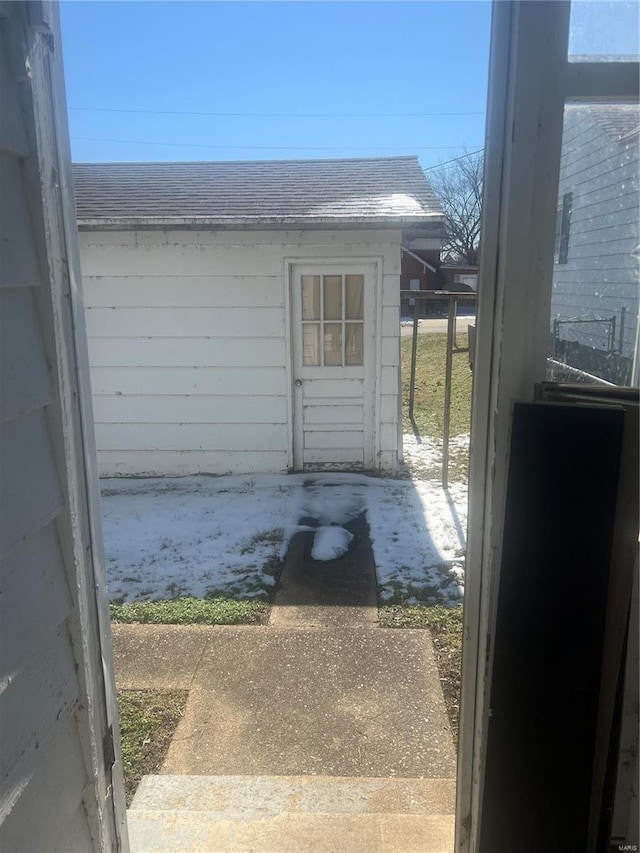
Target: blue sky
324, 58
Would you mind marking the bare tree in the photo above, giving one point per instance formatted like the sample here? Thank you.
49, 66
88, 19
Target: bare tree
458, 185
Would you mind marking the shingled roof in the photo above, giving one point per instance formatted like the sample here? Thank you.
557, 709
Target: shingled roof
391, 191
620, 121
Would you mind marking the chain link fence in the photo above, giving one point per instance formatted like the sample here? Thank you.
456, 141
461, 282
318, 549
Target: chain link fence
589, 349
597, 333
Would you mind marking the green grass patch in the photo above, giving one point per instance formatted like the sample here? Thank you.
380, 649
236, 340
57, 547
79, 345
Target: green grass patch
429, 395
429, 386
148, 720
445, 627
192, 611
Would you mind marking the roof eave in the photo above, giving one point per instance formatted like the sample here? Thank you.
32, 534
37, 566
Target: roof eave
432, 221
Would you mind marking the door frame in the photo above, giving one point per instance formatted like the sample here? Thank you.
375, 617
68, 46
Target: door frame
50, 186
529, 78
371, 266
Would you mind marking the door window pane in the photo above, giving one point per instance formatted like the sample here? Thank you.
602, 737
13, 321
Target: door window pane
336, 305
333, 344
333, 297
593, 328
311, 344
353, 349
354, 297
310, 297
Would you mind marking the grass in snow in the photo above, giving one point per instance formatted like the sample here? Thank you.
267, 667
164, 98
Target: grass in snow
148, 720
192, 611
263, 537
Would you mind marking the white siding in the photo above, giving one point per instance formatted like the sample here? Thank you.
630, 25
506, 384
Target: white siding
180, 322
210, 436
231, 292
54, 794
188, 346
185, 352
601, 274
19, 261
169, 409
142, 381
178, 463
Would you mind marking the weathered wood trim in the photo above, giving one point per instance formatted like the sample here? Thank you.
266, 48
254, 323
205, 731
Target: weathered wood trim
287, 284
379, 280
54, 215
329, 239
524, 135
20, 831
427, 223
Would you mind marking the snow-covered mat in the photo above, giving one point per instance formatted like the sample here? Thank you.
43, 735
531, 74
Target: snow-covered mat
227, 535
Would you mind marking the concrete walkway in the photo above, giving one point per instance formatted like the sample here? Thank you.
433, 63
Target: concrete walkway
295, 701
335, 593
320, 730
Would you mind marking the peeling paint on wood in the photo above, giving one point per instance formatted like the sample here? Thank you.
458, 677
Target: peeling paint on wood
54, 668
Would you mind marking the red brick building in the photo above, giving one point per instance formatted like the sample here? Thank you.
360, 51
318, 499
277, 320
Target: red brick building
422, 269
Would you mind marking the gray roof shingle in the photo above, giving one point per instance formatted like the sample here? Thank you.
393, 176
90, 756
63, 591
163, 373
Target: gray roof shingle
619, 121
384, 190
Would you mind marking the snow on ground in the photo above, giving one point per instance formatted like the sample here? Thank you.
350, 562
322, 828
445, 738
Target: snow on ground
329, 543
423, 456
227, 535
194, 535
419, 534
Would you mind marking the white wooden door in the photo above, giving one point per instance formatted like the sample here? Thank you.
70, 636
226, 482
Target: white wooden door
332, 344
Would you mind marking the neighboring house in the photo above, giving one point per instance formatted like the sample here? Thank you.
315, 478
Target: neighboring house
244, 317
423, 269
459, 277
595, 281
421, 265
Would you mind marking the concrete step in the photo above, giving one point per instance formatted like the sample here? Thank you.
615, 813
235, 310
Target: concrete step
287, 814
199, 832
242, 796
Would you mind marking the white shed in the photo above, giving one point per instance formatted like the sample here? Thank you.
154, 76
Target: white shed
244, 317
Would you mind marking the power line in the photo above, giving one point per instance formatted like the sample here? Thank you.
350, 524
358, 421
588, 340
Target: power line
453, 160
271, 147
271, 115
